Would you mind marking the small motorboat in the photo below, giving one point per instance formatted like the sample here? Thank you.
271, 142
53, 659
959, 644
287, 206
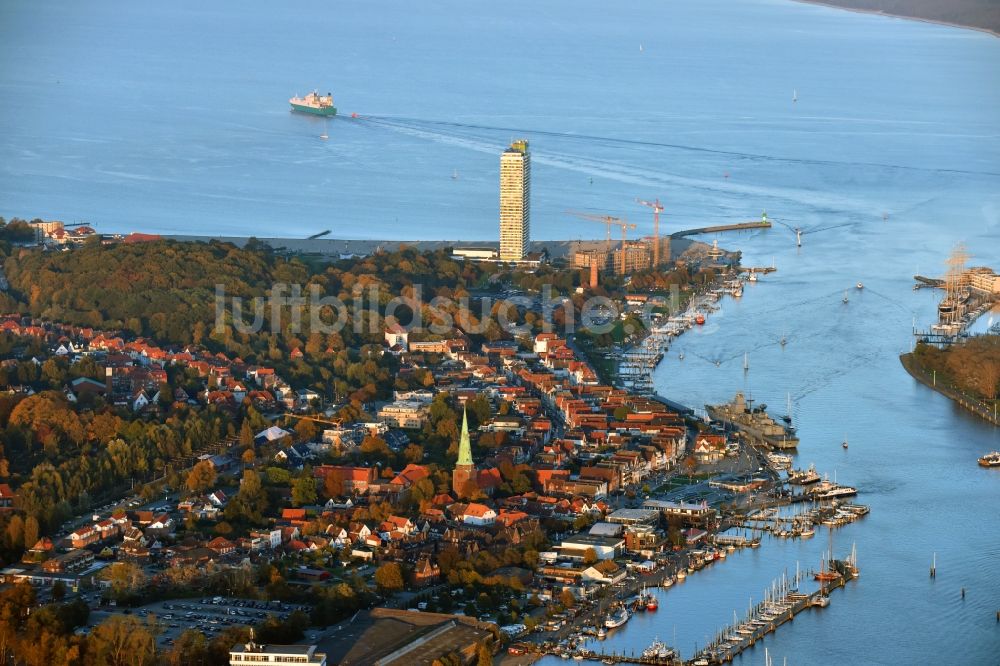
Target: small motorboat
860, 286
990, 459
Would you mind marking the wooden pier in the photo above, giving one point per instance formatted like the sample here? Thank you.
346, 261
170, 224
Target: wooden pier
737, 638
836, 515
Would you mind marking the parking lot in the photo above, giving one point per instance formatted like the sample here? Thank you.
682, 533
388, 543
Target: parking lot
209, 615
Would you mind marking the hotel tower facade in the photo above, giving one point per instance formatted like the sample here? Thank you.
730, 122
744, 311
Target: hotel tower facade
515, 201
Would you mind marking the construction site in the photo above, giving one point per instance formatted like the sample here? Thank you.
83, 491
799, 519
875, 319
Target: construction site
645, 253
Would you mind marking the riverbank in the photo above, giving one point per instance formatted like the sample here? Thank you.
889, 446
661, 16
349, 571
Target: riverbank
992, 28
977, 407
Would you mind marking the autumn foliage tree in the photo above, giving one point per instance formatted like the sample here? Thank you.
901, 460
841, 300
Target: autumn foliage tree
389, 577
202, 477
123, 640
250, 502
333, 485
304, 491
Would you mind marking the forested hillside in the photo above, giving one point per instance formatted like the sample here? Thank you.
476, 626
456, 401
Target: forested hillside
161, 289
166, 290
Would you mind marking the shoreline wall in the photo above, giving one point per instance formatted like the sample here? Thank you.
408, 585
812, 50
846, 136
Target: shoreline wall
969, 404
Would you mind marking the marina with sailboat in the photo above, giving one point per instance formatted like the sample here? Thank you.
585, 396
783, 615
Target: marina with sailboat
782, 602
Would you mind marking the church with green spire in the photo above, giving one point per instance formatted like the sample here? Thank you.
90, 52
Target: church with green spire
465, 469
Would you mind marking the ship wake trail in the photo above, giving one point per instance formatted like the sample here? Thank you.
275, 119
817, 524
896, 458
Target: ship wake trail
619, 141
478, 145
464, 136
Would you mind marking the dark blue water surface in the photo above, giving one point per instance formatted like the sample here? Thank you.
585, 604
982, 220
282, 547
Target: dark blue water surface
173, 118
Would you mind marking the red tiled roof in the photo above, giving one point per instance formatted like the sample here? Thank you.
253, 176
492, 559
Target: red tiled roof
477, 510
137, 237
411, 474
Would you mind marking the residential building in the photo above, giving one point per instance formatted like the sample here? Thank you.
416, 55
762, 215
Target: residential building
7, 497
594, 257
642, 539
70, 561
352, 479
396, 335
479, 514
426, 572
635, 256
404, 414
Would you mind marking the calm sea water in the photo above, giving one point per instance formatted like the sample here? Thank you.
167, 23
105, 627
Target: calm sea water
173, 118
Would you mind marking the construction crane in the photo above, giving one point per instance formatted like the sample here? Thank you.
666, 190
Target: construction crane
609, 221
657, 209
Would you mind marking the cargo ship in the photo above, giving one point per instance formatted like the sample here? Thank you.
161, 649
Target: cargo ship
754, 423
314, 103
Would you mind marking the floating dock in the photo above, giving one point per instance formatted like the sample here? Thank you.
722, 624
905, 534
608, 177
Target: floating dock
735, 639
612, 657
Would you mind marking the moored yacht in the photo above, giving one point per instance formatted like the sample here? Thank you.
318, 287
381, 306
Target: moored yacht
833, 491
